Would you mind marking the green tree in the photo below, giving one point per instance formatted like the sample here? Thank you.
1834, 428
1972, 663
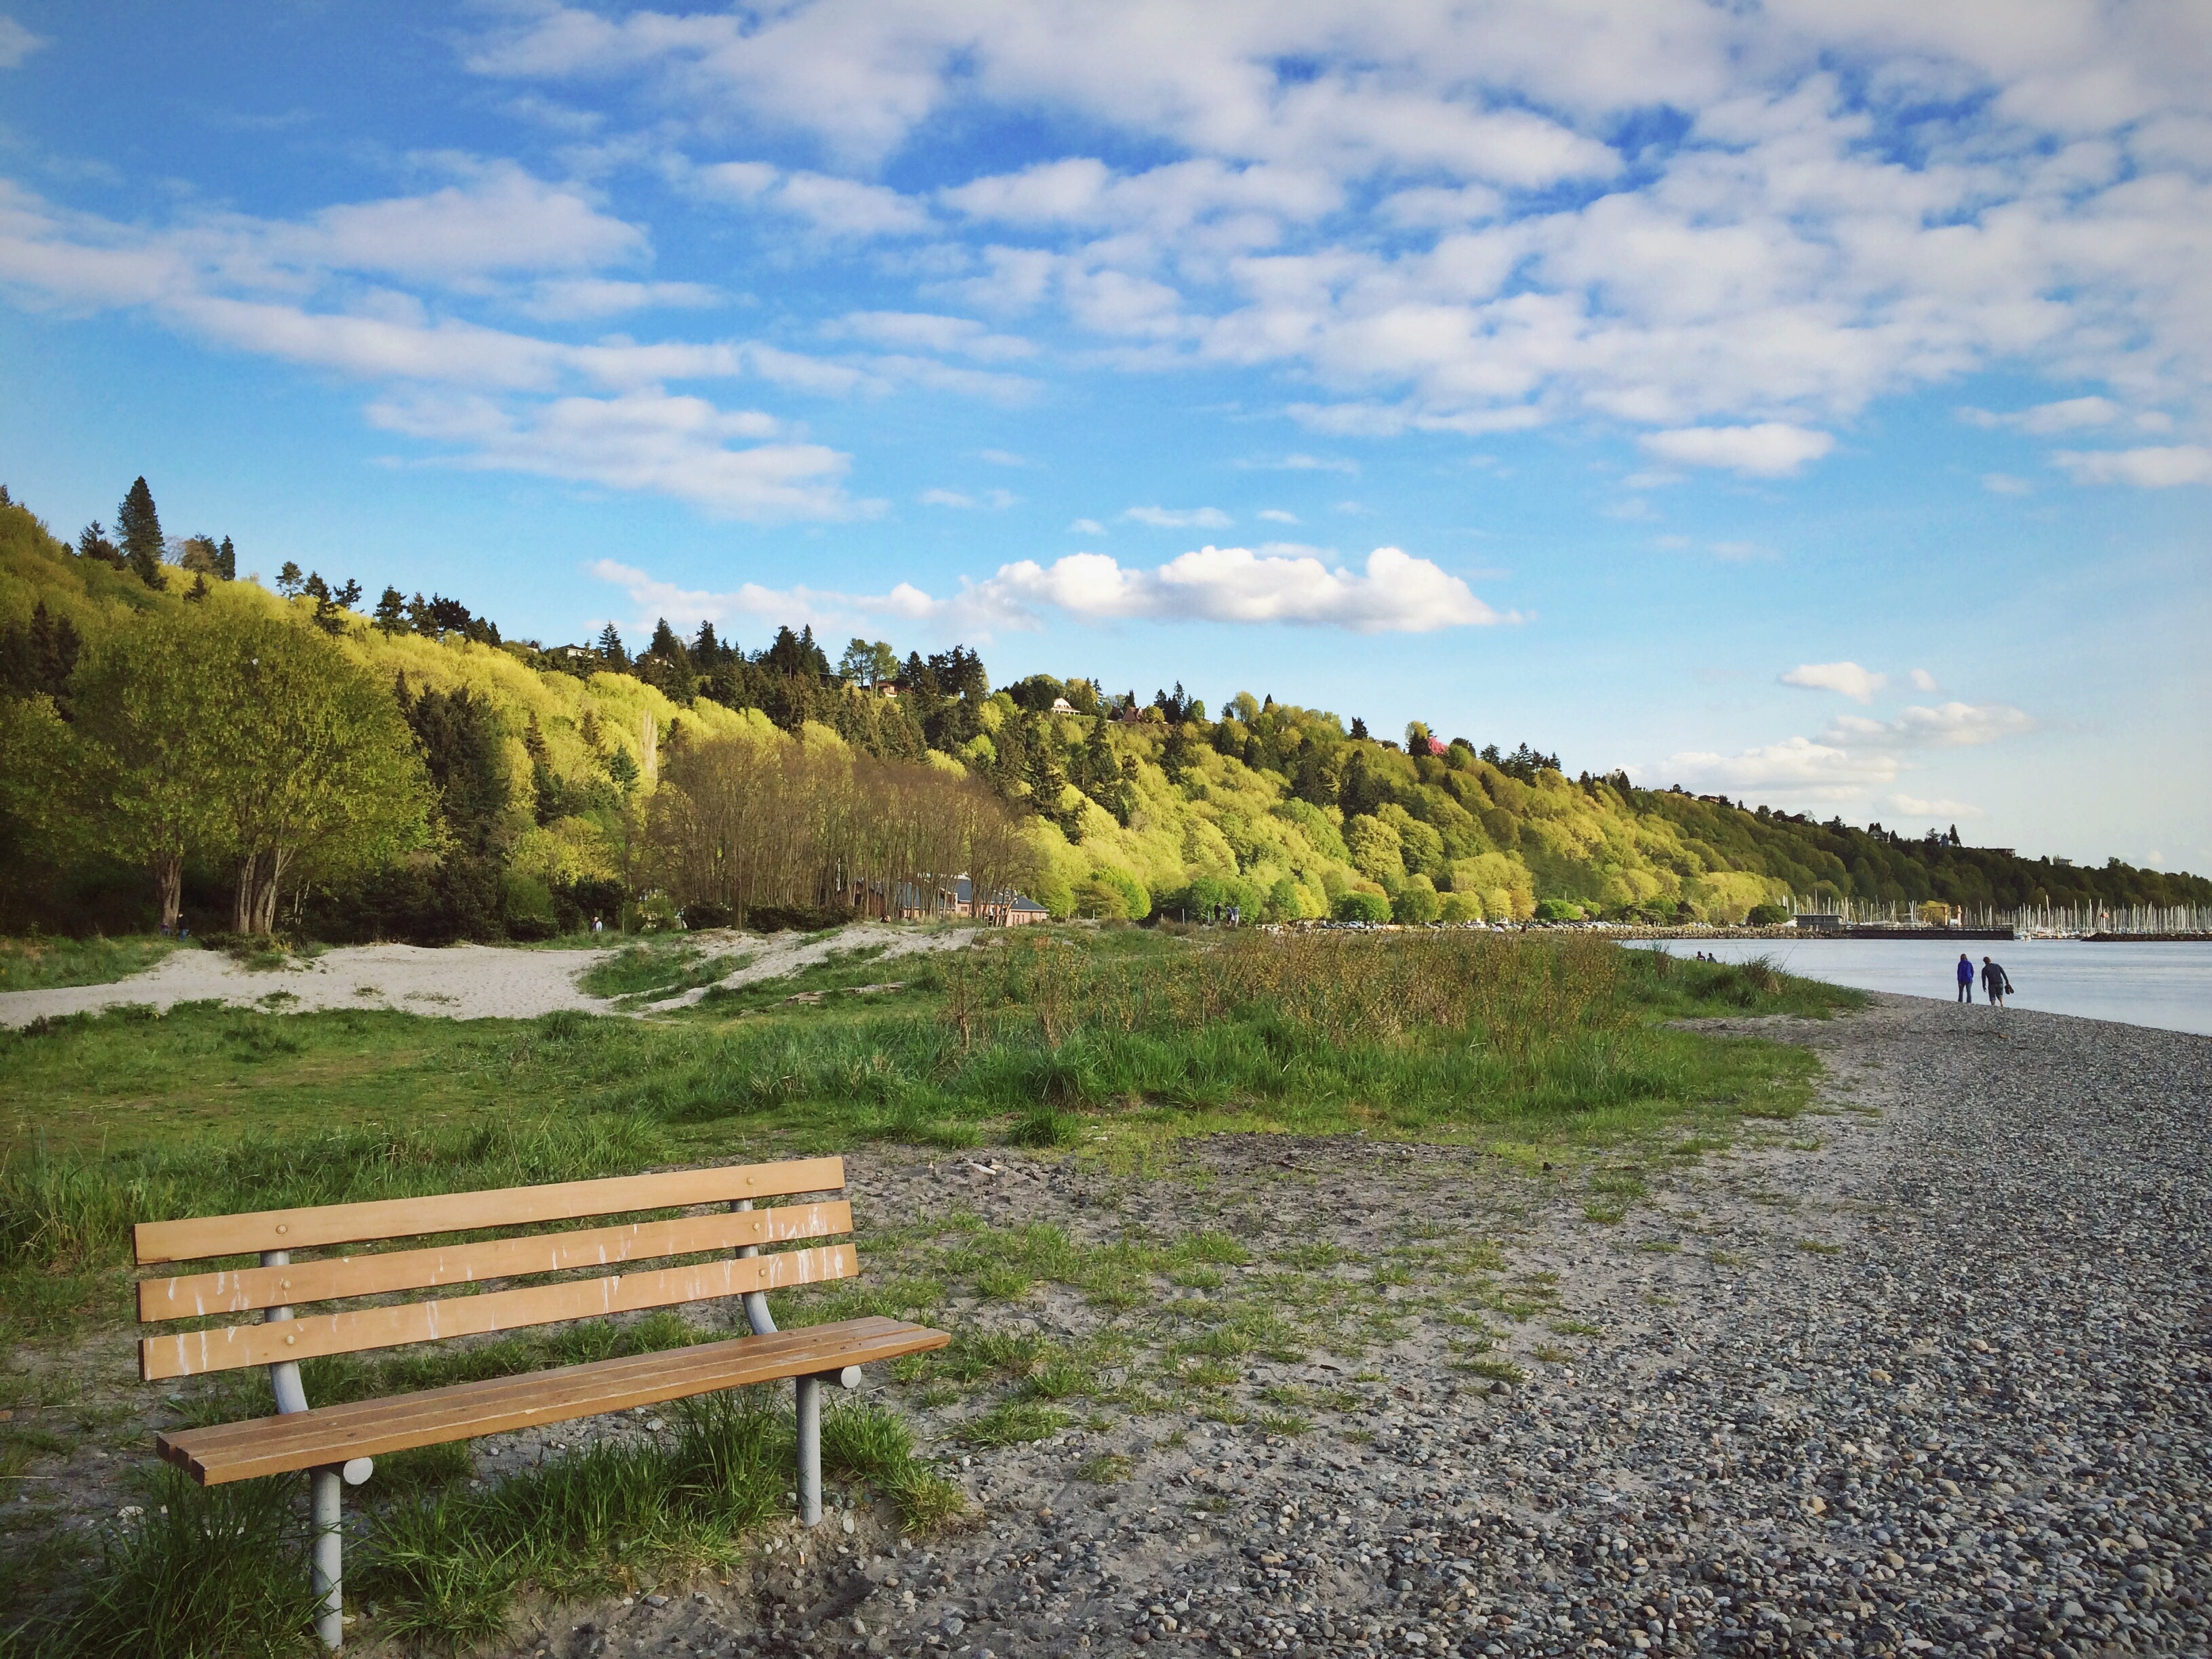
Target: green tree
140, 527
319, 776
226, 560
391, 612
151, 707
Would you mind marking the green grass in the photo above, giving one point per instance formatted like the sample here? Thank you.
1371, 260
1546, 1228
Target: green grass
638, 975
1122, 1040
42, 964
223, 1571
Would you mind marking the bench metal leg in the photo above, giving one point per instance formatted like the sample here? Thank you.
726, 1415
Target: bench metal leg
326, 1486
810, 1451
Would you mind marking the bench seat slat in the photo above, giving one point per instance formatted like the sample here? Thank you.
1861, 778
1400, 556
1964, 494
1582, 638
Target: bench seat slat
373, 1428
199, 1237
187, 1353
244, 1290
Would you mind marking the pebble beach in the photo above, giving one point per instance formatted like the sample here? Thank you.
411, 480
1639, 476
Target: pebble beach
1931, 1379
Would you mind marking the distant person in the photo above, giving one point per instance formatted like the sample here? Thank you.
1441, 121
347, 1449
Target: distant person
1995, 986
1966, 977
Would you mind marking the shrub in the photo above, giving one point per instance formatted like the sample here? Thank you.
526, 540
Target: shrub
1767, 916
1558, 910
1417, 901
1358, 905
1459, 907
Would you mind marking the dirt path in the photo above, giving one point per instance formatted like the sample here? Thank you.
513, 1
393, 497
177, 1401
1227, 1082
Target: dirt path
457, 982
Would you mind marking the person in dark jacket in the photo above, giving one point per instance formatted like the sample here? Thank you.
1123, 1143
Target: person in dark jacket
1995, 986
1966, 977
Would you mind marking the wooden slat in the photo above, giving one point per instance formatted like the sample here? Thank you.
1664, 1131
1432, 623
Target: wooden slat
242, 1291
450, 1212
374, 1428
191, 1352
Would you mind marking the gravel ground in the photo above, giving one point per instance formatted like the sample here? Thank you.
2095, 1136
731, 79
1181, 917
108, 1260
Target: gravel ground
1937, 1385
1925, 1371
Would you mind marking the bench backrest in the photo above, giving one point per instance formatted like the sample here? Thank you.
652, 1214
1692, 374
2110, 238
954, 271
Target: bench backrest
272, 1289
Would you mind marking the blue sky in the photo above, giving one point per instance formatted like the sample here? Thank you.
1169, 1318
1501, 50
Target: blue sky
1806, 407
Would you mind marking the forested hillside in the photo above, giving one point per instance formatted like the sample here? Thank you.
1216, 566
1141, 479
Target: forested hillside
177, 742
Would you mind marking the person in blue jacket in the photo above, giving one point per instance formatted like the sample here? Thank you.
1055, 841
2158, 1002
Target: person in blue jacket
1966, 977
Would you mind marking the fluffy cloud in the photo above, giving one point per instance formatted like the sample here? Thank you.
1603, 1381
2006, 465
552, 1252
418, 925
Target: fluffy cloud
2158, 468
909, 330
1769, 449
1858, 201
1935, 809
650, 441
1857, 684
1168, 518
1944, 725
831, 206
1922, 680
1797, 768
1396, 594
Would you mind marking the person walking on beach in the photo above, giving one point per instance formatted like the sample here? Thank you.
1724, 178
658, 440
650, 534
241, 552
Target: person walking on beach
1966, 977
1995, 986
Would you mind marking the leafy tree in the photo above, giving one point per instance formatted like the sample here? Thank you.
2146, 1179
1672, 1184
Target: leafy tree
866, 662
318, 776
140, 527
153, 707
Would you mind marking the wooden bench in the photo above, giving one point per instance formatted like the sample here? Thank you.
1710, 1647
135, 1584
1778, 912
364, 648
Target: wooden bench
337, 1444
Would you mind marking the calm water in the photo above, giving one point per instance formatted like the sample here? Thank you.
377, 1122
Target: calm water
2168, 986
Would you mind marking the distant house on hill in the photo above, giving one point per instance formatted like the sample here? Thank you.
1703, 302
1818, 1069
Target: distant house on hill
1061, 706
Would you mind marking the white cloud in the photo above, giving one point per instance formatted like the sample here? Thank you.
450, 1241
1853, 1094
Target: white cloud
833, 207
681, 446
1935, 809
1857, 684
2003, 483
1944, 725
1396, 594
1922, 680
1797, 767
1002, 458
1166, 518
1770, 449
1088, 527
2158, 468
925, 332
562, 300
16, 43
997, 500
1277, 515
1296, 462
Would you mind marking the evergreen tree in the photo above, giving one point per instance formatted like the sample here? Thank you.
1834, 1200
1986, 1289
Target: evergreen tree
198, 590
37, 658
91, 543
226, 560
391, 612
611, 652
1359, 731
288, 579
707, 651
140, 527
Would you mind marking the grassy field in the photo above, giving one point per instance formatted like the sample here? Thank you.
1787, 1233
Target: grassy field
42, 964
1108, 1042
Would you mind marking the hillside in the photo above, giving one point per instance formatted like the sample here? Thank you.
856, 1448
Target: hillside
541, 767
